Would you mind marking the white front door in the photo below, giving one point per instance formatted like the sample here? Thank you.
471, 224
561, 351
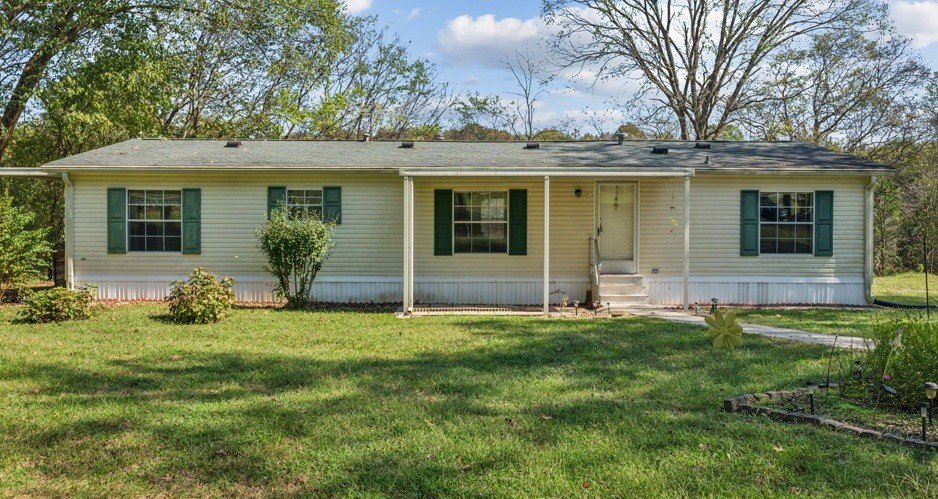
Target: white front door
616, 228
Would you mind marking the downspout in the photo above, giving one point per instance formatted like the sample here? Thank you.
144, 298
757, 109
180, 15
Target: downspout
69, 231
868, 241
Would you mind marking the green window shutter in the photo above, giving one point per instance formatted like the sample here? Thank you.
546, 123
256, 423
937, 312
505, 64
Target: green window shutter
276, 198
824, 223
117, 220
332, 204
443, 222
749, 223
517, 222
191, 221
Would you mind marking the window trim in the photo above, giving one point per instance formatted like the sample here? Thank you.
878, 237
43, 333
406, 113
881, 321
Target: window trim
507, 222
812, 223
128, 220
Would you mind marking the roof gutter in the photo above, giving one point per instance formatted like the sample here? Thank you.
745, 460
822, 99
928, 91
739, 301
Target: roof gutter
517, 172
56, 170
788, 172
28, 172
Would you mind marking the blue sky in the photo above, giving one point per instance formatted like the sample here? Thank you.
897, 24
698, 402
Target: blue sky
468, 39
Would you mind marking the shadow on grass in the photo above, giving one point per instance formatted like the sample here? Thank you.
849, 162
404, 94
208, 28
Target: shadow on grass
652, 387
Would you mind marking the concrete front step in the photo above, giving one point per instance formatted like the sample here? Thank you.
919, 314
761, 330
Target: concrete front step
624, 299
621, 279
621, 289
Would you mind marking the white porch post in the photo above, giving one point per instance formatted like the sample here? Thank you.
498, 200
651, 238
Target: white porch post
686, 241
69, 231
408, 302
868, 241
546, 245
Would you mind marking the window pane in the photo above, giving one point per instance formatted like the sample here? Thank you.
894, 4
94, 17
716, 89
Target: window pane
786, 231
803, 246
462, 245
461, 199
138, 244
154, 197
154, 243
153, 213
806, 199
154, 228
135, 212
494, 231
173, 244
769, 215
803, 231
172, 197
461, 230
173, 212
480, 245
135, 197
172, 228
461, 214
769, 231
769, 199
476, 213
786, 246
767, 246
137, 229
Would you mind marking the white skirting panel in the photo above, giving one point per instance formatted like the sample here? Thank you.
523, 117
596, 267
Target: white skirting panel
497, 291
361, 289
253, 289
758, 290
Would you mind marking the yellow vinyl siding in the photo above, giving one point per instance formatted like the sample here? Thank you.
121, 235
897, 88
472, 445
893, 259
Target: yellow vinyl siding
234, 204
715, 223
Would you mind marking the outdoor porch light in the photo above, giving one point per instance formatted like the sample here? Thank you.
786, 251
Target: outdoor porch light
931, 389
578, 193
923, 409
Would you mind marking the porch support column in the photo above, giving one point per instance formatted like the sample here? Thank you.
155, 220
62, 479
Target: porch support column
69, 231
408, 302
686, 241
868, 240
546, 245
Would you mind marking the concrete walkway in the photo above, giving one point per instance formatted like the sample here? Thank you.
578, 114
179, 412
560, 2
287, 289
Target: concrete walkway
850, 342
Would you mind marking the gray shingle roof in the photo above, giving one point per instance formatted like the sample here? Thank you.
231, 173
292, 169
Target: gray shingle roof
724, 156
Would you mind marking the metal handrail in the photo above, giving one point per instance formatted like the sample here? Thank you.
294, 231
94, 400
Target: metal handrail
594, 260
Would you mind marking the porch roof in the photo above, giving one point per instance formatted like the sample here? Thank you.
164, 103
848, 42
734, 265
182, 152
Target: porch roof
467, 157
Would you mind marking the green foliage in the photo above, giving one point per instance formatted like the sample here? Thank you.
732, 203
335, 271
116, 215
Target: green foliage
58, 305
24, 252
202, 299
907, 352
295, 249
724, 330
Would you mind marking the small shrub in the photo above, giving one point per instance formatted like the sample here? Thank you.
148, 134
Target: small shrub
295, 249
202, 299
907, 352
58, 305
24, 252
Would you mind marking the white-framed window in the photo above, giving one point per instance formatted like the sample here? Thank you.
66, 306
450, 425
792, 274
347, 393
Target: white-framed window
480, 221
786, 222
154, 220
306, 202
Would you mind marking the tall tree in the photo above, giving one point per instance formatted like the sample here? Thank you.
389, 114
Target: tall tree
530, 79
697, 58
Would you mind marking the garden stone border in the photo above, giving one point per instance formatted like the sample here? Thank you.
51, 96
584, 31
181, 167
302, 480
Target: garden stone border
747, 404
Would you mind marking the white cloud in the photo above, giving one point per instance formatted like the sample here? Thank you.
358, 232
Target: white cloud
918, 20
486, 41
413, 14
357, 6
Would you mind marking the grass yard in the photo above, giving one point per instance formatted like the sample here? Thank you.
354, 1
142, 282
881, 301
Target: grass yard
908, 288
830, 320
335, 403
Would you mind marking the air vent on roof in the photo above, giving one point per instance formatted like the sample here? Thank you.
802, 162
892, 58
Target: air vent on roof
702, 145
438, 136
620, 137
407, 145
366, 137
659, 150
233, 143
532, 145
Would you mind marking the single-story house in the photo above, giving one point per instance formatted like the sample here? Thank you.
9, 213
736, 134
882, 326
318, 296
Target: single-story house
668, 223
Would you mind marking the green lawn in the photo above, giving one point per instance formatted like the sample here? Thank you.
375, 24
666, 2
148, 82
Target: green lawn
905, 288
901, 288
282, 403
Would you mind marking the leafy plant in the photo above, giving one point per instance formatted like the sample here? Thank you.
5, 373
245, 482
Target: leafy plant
724, 330
905, 355
295, 248
58, 304
202, 299
24, 252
